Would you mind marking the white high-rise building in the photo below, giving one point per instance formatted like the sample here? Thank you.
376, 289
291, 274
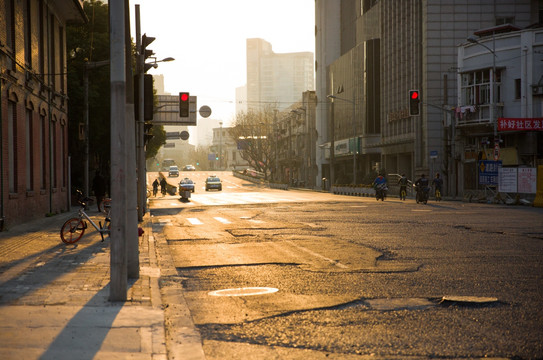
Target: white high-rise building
276, 79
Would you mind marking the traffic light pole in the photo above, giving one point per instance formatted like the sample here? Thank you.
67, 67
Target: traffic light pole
140, 150
118, 258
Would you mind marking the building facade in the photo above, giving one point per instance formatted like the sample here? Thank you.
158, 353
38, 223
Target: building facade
34, 158
370, 54
499, 112
276, 80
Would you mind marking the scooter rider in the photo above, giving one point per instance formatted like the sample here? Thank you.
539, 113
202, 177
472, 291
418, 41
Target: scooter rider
379, 184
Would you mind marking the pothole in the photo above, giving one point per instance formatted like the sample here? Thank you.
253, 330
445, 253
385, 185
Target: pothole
468, 300
246, 291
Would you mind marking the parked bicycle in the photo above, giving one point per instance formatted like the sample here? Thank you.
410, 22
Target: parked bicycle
74, 228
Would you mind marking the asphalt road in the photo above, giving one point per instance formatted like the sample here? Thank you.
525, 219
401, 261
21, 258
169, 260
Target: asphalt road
300, 274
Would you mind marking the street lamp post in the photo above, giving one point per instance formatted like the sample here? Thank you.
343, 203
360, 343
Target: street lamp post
355, 145
220, 146
493, 115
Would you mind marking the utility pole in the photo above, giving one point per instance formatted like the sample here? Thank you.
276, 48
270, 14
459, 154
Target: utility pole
132, 236
118, 261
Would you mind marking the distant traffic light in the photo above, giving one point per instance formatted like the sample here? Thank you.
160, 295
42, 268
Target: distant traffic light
147, 135
414, 101
184, 104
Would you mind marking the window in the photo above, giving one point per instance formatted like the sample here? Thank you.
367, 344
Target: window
12, 147
61, 58
61, 153
29, 152
505, 20
54, 145
476, 87
10, 33
43, 152
28, 33
518, 90
41, 40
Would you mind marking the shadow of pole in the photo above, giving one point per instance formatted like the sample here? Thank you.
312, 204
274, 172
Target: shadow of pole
83, 336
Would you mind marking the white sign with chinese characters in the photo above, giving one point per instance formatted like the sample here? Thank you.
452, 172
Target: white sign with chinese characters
527, 180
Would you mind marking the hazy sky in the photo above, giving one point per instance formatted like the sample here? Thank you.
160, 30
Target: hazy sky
207, 38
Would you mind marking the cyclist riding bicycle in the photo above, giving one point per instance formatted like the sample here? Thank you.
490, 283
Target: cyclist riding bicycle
403, 186
155, 187
438, 184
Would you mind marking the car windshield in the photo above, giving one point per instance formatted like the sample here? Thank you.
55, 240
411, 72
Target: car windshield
213, 179
186, 181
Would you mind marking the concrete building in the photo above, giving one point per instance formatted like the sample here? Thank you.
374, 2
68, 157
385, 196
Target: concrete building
499, 112
226, 149
369, 54
34, 160
276, 80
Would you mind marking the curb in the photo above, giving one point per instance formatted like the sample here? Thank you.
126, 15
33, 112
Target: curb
183, 340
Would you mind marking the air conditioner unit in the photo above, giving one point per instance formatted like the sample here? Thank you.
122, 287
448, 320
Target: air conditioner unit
537, 89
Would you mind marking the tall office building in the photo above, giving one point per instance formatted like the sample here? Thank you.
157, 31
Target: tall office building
370, 54
276, 79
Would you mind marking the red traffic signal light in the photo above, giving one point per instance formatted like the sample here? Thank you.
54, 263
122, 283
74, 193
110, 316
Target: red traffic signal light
414, 101
184, 104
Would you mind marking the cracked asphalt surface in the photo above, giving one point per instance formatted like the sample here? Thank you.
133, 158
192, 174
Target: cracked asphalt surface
360, 279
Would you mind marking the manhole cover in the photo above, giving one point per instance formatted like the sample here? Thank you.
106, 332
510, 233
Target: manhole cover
248, 291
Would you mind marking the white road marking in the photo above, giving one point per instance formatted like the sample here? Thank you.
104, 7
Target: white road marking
222, 220
194, 221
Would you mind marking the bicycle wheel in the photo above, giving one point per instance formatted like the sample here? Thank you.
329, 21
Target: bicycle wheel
72, 230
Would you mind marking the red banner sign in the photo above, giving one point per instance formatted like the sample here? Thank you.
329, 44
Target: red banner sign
520, 124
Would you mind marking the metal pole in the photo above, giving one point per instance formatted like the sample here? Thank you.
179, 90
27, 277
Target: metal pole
355, 145
86, 106
118, 257
140, 150
132, 238
494, 108
332, 146
220, 146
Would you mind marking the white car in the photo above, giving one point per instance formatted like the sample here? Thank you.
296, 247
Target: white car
174, 171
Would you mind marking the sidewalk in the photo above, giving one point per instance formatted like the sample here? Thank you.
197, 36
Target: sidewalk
54, 299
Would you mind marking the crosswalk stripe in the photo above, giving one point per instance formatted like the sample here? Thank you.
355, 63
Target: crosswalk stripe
222, 220
194, 221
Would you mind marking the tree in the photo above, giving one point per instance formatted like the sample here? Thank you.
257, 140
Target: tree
88, 43
254, 133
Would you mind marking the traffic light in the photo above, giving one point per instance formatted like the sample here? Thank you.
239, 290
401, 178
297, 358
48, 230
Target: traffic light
147, 132
184, 104
414, 101
148, 97
197, 162
145, 41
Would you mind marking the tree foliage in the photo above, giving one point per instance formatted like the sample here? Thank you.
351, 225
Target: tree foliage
254, 133
89, 43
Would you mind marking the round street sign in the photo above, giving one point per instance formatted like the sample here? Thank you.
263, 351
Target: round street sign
496, 151
205, 111
184, 135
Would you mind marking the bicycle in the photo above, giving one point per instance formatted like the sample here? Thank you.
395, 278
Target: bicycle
438, 195
74, 228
